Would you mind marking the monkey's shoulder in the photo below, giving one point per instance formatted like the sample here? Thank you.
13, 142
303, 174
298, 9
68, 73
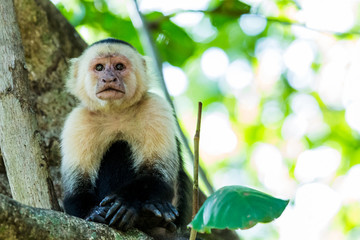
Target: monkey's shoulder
149, 109
154, 108
152, 117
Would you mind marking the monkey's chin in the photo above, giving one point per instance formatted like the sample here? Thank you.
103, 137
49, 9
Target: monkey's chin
110, 94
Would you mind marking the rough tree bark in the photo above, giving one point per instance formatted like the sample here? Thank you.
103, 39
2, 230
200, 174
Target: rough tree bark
21, 222
24, 161
49, 41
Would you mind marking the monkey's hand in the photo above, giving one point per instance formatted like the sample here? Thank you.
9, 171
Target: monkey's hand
98, 214
161, 209
156, 214
120, 214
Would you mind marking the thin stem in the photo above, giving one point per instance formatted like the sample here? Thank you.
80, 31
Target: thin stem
196, 170
193, 234
196, 163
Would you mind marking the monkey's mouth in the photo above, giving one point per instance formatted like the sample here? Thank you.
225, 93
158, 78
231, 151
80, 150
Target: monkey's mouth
110, 89
109, 93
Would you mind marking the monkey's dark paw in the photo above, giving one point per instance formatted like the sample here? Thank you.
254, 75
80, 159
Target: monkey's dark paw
121, 215
170, 226
148, 220
108, 200
98, 214
162, 209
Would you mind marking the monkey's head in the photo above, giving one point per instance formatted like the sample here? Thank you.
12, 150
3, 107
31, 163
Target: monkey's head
110, 73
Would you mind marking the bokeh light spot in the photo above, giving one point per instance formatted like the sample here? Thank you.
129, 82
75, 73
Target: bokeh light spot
214, 62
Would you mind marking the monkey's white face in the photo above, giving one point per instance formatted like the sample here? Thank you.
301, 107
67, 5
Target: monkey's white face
108, 74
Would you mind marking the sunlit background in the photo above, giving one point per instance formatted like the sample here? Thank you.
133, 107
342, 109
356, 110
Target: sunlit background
281, 94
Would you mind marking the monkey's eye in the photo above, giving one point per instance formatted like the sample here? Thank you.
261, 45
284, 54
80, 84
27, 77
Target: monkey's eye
99, 67
120, 66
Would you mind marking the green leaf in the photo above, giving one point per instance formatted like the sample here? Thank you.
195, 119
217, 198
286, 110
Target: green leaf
236, 207
232, 8
174, 44
228, 11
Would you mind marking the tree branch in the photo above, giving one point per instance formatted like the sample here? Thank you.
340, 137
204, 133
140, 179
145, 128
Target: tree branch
21, 222
282, 21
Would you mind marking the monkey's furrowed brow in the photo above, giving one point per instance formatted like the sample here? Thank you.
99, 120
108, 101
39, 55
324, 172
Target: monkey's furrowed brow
105, 55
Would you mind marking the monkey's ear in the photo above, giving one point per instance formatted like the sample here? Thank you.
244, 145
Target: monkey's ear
74, 68
149, 69
148, 64
144, 62
72, 75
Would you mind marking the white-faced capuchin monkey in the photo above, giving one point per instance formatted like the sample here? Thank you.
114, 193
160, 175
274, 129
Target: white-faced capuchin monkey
121, 160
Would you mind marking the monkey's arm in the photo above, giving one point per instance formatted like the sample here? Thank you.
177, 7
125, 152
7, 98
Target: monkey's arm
77, 166
83, 203
80, 201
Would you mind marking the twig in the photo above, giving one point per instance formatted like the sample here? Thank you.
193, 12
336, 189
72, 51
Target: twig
196, 170
193, 234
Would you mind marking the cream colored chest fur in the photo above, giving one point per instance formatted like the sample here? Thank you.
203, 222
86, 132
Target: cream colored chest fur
147, 126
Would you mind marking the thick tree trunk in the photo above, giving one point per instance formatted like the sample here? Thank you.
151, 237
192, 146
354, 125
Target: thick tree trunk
21, 222
49, 41
24, 161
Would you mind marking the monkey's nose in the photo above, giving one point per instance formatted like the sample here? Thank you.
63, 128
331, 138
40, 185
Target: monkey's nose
108, 80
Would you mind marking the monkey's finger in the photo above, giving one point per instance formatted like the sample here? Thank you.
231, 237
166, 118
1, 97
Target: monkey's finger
168, 216
130, 223
107, 199
173, 209
104, 211
114, 208
89, 218
117, 216
171, 227
153, 209
126, 218
169, 211
96, 218
99, 219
